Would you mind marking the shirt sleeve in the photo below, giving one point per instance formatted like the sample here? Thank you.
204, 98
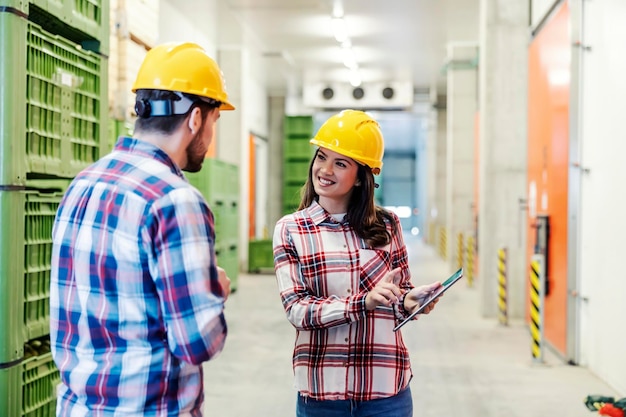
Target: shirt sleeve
400, 259
304, 310
183, 266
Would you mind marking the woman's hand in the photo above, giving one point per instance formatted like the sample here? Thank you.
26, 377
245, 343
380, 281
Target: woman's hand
418, 295
385, 293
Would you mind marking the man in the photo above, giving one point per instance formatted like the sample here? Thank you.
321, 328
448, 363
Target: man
136, 296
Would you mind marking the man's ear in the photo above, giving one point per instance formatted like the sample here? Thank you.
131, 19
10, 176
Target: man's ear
194, 122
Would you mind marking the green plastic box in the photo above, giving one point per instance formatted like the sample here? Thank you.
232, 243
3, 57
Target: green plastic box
55, 118
260, 256
85, 22
301, 126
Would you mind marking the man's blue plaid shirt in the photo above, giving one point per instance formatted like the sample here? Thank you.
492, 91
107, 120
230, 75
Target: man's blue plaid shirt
136, 306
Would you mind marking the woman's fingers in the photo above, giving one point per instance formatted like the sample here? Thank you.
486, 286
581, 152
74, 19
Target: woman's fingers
382, 294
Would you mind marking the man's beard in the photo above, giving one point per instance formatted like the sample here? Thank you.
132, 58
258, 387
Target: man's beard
195, 152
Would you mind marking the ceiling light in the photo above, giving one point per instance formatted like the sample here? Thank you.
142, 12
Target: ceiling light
337, 8
349, 59
355, 78
339, 29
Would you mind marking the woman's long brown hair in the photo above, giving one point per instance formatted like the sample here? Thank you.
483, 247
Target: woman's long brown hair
364, 216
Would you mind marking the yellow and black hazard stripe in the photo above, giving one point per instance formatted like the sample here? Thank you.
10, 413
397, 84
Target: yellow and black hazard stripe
469, 259
443, 242
459, 250
503, 315
535, 309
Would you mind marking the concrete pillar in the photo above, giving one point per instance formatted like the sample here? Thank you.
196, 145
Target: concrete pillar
275, 140
461, 113
502, 150
436, 150
230, 138
232, 135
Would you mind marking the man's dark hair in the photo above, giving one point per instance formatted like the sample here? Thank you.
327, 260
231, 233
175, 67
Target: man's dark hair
168, 124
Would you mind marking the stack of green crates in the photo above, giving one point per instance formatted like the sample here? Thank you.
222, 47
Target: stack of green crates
53, 92
218, 181
297, 153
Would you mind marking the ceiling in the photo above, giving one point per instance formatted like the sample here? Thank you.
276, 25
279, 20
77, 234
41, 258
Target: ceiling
393, 40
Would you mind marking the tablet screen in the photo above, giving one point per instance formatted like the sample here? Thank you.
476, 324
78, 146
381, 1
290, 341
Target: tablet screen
444, 287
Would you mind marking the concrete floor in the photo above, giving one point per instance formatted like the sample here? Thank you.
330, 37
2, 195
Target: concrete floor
463, 365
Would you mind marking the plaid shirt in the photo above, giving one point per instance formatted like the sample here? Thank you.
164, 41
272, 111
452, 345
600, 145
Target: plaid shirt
136, 306
324, 272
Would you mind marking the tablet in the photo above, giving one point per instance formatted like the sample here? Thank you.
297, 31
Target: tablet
444, 287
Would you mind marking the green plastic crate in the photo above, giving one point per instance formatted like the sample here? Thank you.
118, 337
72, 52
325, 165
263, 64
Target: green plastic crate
298, 149
228, 258
85, 22
27, 218
218, 181
209, 180
227, 220
231, 181
260, 256
296, 172
40, 378
55, 118
119, 128
301, 126
40, 211
28, 389
291, 197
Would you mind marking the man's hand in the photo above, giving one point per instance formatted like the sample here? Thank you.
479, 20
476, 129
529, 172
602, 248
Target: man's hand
418, 295
224, 282
386, 292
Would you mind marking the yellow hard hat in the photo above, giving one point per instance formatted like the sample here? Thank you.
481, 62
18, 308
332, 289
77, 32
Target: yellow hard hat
354, 134
185, 68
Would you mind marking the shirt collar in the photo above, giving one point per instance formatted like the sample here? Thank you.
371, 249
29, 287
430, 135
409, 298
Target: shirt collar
319, 215
140, 147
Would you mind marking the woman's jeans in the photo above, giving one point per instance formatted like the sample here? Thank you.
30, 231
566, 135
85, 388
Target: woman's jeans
400, 405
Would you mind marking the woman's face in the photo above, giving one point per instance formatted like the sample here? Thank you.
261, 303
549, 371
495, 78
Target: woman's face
333, 176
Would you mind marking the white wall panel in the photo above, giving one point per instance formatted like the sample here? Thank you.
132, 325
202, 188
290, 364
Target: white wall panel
603, 224
183, 21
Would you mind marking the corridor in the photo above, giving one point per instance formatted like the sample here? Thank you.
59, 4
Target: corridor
463, 365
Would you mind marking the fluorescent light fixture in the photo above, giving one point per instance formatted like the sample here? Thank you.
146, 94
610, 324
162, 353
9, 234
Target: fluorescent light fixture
355, 78
339, 29
338, 8
349, 59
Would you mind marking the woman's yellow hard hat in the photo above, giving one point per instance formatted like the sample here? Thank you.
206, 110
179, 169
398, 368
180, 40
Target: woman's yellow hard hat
354, 134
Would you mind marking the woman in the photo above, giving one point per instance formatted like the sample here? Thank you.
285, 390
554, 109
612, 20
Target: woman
344, 281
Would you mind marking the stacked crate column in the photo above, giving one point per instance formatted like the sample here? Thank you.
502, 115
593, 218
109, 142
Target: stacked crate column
228, 232
297, 154
218, 181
